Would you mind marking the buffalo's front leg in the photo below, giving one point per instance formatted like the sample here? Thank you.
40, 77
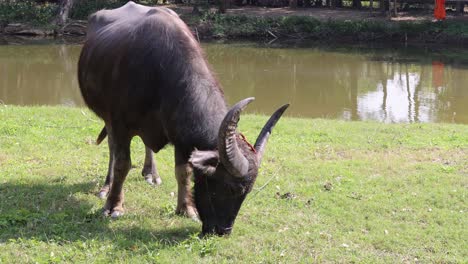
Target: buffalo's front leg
149, 169
121, 166
183, 173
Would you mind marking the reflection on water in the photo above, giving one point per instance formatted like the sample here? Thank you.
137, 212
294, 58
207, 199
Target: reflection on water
360, 84
393, 101
39, 75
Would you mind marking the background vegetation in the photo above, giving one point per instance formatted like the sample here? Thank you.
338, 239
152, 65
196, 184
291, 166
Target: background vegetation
379, 193
27, 11
82, 9
211, 24
301, 27
40, 12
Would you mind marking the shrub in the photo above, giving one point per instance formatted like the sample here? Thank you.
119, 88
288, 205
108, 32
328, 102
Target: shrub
27, 11
82, 9
300, 24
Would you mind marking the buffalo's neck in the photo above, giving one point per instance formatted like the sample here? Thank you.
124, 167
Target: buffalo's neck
200, 110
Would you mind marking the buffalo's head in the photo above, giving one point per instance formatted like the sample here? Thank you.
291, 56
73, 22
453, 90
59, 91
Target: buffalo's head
224, 177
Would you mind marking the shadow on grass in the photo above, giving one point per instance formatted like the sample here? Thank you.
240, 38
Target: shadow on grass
55, 212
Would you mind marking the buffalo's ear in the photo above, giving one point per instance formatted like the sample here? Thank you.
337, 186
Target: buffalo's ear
205, 160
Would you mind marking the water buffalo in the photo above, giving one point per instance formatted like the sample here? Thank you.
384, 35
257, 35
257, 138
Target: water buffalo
96, 22
146, 75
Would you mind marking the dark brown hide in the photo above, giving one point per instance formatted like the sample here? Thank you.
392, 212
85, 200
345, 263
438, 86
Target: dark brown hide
96, 22
146, 75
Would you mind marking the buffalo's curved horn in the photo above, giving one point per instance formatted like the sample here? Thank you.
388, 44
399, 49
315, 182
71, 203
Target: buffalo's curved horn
266, 131
229, 153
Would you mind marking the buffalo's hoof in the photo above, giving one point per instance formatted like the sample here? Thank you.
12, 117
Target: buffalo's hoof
104, 191
153, 181
113, 214
189, 212
106, 212
102, 194
116, 214
158, 181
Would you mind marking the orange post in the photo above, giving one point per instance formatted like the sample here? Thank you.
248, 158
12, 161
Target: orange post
439, 10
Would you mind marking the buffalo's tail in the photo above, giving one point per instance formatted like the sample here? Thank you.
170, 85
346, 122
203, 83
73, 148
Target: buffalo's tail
101, 136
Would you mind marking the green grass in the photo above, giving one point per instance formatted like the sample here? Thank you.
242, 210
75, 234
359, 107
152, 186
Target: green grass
360, 192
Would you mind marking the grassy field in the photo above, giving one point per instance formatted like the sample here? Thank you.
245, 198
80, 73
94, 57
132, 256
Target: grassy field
328, 192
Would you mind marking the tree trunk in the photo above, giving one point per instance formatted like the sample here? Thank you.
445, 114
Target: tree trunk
64, 12
460, 7
293, 3
384, 6
196, 11
357, 4
336, 3
222, 6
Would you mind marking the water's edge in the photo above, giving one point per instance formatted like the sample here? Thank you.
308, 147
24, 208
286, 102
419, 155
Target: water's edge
387, 84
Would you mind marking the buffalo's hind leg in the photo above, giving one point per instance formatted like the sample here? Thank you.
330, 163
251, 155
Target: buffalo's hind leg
183, 173
110, 171
121, 167
150, 171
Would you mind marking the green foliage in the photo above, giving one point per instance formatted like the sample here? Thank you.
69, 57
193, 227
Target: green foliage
302, 27
458, 28
299, 24
253, 27
238, 26
27, 11
82, 9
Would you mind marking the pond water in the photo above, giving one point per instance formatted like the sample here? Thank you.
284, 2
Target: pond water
358, 83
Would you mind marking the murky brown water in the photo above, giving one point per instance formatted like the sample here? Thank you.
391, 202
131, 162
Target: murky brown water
389, 85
